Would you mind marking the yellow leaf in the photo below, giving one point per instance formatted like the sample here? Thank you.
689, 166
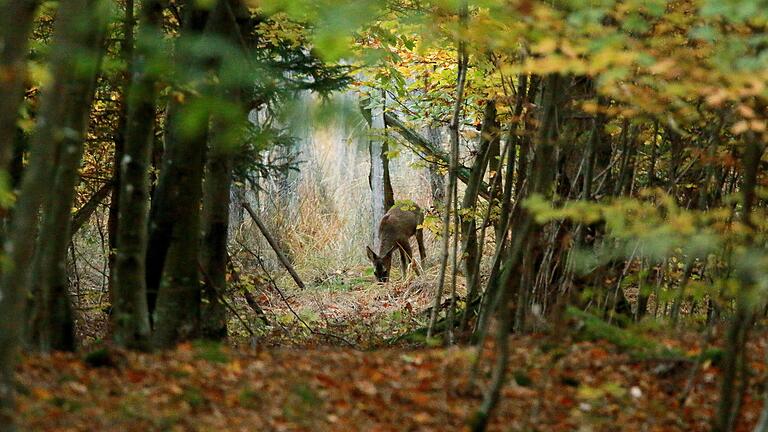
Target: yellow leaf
545, 46
746, 111
757, 125
740, 127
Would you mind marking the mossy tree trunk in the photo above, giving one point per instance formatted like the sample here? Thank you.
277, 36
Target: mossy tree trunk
53, 326
130, 315
174, 226
217, 187
52, 130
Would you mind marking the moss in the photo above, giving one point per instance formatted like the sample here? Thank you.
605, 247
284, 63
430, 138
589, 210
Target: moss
211, 351
634, 344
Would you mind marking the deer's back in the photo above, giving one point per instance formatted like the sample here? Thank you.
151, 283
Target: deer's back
400, 223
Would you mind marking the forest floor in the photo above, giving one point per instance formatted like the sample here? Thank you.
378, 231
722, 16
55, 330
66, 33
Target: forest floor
301, 380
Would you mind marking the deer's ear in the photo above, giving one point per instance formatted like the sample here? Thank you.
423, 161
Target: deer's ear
371, 254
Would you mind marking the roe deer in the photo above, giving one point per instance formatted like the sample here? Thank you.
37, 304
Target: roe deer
395, 230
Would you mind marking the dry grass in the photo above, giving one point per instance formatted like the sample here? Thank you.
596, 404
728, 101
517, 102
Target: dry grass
325, 228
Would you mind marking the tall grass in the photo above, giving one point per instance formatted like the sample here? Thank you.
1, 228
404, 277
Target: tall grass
327, 223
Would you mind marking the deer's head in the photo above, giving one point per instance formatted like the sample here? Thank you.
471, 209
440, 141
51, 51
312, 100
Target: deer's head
381, 264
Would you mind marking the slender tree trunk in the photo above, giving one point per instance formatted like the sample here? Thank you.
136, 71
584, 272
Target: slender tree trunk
489, 137
463, 60
127, 54
654, 153
511, 221
85, 212
525, 143
514, 141
382, 196
19, 245
742, 319
216, 194
130, 315
436, 178
472, 305
54, 327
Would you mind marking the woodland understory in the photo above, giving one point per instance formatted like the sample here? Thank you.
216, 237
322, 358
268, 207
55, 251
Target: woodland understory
205, 205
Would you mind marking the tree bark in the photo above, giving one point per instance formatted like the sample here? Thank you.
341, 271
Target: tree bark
114, 212
177, 200
19, 245
542, 176
54, 321
462, 61
436, 178
216, 192
382, 196
734, 350
178, 181
489, 138
130, 316
15, 25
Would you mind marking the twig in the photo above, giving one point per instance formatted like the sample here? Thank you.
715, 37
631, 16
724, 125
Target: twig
247, 294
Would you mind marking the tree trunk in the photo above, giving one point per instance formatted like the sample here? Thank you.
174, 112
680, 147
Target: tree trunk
174, 226
19, 244
54, 324
462, 61
180, 169
218, 180
15, 25
489, 138
542, 176
127, 54
130, 316
378, 178
436, 178
734, 350
177, 312
216, 195
514, 140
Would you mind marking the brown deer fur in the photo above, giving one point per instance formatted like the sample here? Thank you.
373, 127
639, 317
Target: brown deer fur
395, 231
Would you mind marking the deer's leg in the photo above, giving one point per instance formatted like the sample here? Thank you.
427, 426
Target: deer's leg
420, 242
404, 257
408, 251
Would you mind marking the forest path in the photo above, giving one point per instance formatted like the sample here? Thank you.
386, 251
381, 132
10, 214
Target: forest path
554, 385
349, 305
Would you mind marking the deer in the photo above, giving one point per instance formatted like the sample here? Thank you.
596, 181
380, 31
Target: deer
396, 228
